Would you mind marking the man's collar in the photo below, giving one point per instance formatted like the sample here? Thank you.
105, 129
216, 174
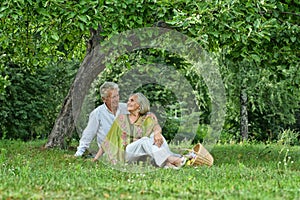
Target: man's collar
110, 110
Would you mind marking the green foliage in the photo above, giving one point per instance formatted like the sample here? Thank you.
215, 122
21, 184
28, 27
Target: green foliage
255, 41
37, 40
288, 137
130, 70
32, 101
36, 34
43, 31
240, 172
258, 50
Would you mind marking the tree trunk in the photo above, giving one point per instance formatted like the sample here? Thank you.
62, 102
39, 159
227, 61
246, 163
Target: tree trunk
244, 114
64, 126
93, 64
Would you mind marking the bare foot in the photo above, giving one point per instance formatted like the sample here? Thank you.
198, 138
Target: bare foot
170, 166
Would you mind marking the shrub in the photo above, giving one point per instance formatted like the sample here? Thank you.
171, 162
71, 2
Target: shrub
288, 137
33, 99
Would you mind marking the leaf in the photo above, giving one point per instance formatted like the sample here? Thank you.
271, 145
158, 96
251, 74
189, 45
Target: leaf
293, 39
46, 3
71, 15
55, 36
81, 26
46, 49
44, 12
255, 57
3, 8
237, 37
83, 18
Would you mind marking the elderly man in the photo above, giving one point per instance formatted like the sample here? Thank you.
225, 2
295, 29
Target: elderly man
102, 117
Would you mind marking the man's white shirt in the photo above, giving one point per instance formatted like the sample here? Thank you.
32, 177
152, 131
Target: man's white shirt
100, 121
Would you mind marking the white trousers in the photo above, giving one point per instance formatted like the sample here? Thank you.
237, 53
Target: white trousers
144, 147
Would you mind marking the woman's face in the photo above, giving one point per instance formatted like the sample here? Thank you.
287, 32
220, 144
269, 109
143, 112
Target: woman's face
132, 104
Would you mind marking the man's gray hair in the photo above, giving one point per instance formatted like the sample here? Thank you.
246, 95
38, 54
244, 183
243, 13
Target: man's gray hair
143, 102
106, 87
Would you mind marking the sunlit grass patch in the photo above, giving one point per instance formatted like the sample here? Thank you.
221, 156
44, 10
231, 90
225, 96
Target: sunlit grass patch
240, 171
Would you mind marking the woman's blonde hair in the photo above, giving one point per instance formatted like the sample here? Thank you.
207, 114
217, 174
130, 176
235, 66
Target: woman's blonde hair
143, 103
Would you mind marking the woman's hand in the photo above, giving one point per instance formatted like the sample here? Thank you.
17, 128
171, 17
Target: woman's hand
98, 155
136, 139
158, 139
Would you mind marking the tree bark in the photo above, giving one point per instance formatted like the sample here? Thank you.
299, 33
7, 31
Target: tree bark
64, 126
93, 64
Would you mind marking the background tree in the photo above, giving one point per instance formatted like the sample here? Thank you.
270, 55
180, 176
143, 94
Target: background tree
256, 42
38, 61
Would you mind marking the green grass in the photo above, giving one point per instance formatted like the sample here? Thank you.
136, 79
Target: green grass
240, 171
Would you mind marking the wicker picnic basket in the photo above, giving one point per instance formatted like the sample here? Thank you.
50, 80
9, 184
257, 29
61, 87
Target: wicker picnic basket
203, 157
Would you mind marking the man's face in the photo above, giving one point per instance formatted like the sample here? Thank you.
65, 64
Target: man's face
112, 100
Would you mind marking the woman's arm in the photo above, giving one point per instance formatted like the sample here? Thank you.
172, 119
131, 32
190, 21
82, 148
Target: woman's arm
99, 154
112, 144
156, 130
158, 139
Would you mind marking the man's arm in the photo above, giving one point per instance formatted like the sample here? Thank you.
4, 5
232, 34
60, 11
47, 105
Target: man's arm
88, 134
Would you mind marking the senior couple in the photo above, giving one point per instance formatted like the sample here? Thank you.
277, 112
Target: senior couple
127, 133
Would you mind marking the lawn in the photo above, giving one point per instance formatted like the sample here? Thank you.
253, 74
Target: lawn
240, 171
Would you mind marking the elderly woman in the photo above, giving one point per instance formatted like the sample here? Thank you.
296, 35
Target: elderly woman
137, 135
